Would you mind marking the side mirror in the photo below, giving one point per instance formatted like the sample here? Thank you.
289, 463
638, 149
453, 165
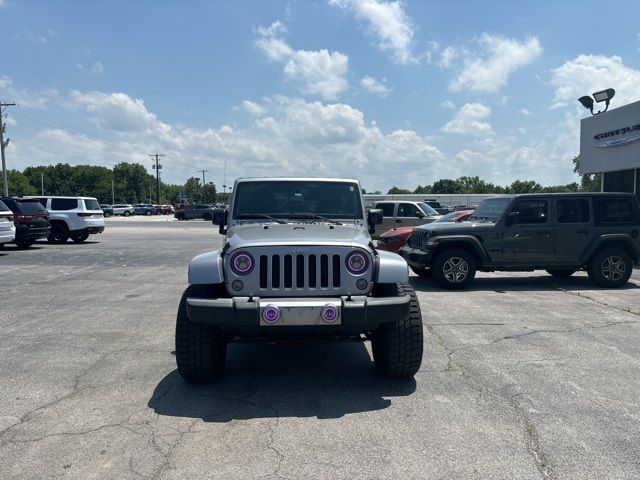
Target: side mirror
419, 214
374, 217
222, 226
511, 218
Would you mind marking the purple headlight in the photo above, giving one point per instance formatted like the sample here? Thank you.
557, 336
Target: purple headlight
242, 263
271, 314
357, 262
329, 313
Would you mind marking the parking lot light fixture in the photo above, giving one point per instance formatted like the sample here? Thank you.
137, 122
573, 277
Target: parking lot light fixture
599, 96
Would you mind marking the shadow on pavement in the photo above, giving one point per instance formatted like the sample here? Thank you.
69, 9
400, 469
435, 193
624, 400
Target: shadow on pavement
267, 381
533, 283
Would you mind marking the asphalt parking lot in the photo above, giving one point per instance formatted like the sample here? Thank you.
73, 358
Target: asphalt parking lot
525, 376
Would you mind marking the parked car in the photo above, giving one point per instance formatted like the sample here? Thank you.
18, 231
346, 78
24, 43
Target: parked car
122, 209
392, 240
560, 233
438, 207
144, 209
107, 210
30, 219
403, 214
182, 206
205, 212
167, 209
7, 228
72, 217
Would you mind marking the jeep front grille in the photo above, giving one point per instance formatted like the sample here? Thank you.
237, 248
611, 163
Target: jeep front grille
300, 271
418, 239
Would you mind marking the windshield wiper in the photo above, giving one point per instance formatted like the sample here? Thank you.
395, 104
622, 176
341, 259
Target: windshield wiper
249, 216
314, 217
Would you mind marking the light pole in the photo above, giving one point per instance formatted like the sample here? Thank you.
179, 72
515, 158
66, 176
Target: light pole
3, 145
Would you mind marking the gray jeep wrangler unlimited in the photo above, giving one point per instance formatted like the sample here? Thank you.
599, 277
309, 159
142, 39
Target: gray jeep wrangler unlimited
298, 263
560, 233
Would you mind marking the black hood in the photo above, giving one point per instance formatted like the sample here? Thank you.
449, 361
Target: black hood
453, 228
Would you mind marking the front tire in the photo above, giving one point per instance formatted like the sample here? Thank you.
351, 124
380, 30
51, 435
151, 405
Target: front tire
59, 234
126, 213
201, 350
147, 213
107, 214
610, 268
397, 346
454, 269
79, 238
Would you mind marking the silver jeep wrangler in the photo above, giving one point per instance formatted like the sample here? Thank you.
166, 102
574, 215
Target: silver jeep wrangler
298, 263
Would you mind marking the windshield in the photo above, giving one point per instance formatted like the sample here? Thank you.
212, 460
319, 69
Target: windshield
490, 209
297, 199
427, 209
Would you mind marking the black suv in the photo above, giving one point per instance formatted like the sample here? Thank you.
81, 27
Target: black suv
560, 233
30, 218
206, 212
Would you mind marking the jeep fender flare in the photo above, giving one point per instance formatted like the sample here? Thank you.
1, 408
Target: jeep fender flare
614, 239
390, 268
464, 240
206, 268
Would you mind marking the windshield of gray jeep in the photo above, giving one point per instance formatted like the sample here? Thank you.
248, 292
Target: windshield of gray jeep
490, 209
306, 200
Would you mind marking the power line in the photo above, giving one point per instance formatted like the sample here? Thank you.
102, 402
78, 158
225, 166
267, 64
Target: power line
3, 145
157, 167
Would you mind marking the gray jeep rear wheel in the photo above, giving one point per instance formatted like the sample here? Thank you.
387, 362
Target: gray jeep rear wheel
397, 346
201, 350
611, 267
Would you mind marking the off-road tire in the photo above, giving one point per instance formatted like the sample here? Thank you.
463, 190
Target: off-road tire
397, 346
79, 238
25, 243
201, 350
601, 267
561, 272
59, 233
422, 272
441, 268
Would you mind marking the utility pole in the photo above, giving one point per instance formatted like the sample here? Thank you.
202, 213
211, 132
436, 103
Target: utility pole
204, 199
3, 145
42, 183
157, 167
113, 192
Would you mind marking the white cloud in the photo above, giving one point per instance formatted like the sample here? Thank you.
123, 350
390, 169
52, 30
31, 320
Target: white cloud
469, 120
38, 99
448, 104
388, 22
317, 72
489, 69
97, 68
524, 112
586, 74
253, 108
118, 112
374, 86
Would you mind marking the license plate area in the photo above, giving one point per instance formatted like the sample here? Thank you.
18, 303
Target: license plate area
294, 312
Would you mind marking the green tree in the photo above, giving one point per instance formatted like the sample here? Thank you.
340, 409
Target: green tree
589, 182
420, 190
398, 191
19, 183
446, 186
526, 186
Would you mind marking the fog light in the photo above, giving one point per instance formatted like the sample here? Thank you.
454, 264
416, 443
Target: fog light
237, 285
329, 313
362, 284
271, 314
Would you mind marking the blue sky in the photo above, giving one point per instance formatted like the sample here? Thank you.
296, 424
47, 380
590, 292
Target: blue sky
394, 93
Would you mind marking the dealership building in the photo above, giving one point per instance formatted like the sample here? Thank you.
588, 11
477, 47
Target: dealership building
610, 144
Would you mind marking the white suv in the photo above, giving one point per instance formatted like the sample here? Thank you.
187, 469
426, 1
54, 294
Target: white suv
124, 210
73, 217
7, 228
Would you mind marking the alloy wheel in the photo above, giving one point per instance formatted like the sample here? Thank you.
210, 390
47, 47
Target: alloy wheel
613, 268
455, 269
